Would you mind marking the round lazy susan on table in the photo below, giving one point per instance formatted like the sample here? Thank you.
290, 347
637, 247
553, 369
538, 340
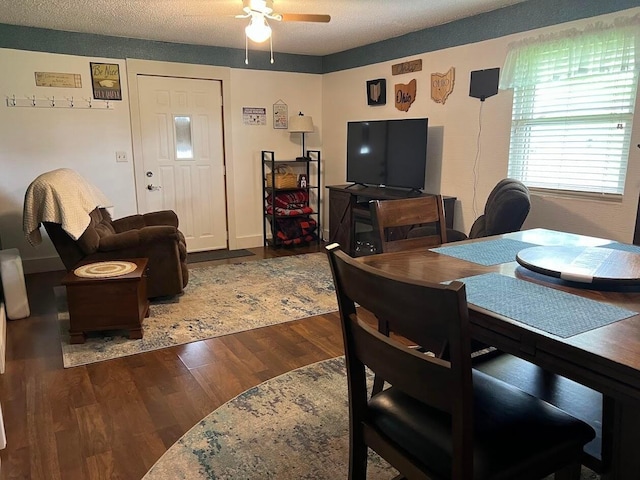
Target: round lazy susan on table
595, 265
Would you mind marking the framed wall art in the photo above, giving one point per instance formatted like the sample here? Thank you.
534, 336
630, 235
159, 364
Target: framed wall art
105, 80
377, 92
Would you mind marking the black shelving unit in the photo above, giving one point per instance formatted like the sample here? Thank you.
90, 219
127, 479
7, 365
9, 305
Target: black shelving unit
272, 222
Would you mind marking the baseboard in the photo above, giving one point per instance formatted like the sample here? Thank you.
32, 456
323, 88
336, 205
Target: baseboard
250, 241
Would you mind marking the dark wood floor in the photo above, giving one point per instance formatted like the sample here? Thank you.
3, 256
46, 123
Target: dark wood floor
114, 419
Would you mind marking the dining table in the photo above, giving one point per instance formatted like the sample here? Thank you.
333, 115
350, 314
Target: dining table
586, 331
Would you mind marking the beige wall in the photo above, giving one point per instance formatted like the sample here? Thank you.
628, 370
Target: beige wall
35, 140
453, 137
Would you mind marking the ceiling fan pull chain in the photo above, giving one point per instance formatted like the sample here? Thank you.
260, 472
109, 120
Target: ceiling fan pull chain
271, 45
246, 50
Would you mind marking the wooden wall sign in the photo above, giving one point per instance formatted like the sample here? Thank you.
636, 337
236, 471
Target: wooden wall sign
405, 95
406, 67
442, 85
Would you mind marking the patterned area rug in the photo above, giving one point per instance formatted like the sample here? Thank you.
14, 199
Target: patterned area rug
294, 426
218, 300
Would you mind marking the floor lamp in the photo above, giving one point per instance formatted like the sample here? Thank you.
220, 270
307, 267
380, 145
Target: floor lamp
301, 124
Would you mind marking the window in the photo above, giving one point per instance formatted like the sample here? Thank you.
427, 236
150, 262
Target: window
184, 146
573, 100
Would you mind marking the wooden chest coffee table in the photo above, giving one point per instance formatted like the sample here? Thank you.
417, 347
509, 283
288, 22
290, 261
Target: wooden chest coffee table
111, 303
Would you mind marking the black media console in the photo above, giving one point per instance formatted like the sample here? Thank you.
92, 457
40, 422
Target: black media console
350, 220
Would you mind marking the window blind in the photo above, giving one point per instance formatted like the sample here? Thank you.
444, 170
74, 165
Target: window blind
573, 110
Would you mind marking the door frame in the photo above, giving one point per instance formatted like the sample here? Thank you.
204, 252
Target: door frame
137, 67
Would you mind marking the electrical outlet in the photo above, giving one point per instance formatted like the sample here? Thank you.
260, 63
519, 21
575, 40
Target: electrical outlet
121, 156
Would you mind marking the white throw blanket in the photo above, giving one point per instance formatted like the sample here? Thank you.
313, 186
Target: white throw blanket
60, 196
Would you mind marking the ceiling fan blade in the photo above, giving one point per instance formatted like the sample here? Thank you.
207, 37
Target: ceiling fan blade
305, 17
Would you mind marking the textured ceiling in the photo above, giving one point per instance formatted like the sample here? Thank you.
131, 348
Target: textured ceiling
211, 22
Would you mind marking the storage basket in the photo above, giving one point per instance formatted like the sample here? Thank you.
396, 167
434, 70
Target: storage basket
285, 178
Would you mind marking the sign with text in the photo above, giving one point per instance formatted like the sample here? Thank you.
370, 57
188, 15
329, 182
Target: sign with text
65, 80
254, 115
406, 67
442, 85
405, 95
105, 79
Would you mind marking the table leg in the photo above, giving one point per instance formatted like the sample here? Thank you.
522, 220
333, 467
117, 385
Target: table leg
76, 337
135, 333
625, 461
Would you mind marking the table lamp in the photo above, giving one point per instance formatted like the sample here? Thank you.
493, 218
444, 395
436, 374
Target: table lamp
301, 124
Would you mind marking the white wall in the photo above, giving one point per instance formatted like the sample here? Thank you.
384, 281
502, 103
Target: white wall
253, 88
453, 136
36, 140
33, 141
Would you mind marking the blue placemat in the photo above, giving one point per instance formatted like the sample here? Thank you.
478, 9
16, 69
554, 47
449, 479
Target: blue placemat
622, 246
489, 252
556, 312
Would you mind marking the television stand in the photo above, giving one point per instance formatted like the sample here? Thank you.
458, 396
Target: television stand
349, 218
355, 185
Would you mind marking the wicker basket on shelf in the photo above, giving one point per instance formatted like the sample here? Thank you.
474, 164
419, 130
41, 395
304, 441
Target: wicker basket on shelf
284, 178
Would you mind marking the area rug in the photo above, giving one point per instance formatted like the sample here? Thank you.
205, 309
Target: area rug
294, 426
218, 300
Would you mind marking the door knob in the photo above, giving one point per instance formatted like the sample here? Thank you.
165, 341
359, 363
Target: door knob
151, 187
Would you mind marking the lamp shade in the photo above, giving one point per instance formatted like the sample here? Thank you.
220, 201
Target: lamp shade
300, 124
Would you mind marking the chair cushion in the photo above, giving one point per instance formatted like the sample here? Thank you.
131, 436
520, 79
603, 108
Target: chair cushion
513, 431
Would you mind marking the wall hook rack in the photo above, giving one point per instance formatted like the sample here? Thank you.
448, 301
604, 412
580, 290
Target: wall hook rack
51, 102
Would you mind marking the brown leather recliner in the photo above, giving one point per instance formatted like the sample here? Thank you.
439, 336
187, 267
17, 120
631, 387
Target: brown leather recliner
153, 235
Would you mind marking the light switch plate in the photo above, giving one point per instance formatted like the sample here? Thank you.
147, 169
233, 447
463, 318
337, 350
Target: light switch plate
121, 157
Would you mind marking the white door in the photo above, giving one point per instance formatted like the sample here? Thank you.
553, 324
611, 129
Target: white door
183, 156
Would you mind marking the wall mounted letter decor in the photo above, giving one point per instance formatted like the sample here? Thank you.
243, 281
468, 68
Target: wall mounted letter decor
405, 95
442, 85
377, 92
406, 67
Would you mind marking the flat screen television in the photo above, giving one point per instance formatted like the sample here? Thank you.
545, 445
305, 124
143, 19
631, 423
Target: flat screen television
391, 153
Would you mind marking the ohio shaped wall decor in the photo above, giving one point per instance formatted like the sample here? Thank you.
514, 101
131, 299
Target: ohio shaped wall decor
377, 92
405, 95
442, 85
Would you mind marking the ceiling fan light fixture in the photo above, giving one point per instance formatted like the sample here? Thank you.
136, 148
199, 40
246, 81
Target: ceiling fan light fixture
258, 29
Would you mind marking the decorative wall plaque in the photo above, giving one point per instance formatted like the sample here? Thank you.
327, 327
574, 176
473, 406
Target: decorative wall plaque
442, 85
406, 67
51, 79
405, 95
105, 79
377, 92
280, 115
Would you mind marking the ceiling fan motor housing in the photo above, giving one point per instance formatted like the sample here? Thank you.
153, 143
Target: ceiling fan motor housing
262, 6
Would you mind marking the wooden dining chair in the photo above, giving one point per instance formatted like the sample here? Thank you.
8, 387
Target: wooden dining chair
439, 419
392, 219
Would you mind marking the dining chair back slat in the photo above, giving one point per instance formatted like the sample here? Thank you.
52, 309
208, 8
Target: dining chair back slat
392, 216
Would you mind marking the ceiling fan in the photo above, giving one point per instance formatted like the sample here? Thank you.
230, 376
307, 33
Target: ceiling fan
259, 12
